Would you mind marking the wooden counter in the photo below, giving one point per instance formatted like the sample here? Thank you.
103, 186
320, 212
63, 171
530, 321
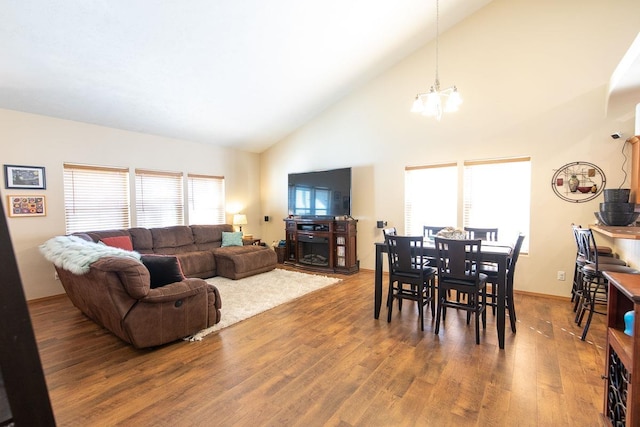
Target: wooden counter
632, 233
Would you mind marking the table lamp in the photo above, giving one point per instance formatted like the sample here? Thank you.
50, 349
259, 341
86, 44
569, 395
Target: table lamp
239, 220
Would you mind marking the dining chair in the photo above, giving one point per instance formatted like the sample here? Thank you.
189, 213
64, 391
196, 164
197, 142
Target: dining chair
458, 262
594, 285
492, 277
389, 231
430, 231
408, 266
486, 234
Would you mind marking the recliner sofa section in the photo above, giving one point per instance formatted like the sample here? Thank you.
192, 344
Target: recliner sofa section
117, 290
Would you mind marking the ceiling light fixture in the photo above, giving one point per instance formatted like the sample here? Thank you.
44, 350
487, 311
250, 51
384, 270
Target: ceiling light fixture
431, 103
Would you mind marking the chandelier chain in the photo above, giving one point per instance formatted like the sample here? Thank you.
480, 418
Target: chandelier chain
437, 42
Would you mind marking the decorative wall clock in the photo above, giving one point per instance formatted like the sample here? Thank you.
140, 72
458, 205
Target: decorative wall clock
578, 182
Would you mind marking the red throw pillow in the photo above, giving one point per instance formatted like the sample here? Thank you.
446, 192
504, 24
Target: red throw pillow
122, 242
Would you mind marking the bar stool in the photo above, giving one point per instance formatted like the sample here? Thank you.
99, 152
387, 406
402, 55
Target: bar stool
594, 284
603, 251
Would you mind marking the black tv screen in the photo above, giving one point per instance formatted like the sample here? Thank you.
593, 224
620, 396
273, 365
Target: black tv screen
320, 194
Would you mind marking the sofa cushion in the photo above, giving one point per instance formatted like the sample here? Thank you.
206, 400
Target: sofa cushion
142, 240
208, 237
231, 238
83, 236
122, 242
163, 269
237, 262
173, 240
200, 264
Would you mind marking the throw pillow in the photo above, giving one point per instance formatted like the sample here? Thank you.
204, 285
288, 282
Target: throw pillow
122, 242
162, 269
231, 238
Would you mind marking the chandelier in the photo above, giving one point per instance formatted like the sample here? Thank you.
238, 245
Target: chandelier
437, 101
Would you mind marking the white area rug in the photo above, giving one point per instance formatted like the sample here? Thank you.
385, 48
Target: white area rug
247, 297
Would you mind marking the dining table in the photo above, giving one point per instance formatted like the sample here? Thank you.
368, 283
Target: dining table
496, 252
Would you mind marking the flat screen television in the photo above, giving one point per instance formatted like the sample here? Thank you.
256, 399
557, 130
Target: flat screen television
320, 194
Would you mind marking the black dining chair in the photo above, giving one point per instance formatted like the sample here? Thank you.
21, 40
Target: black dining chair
430, 231
389, 231
458, 270
408, 266
486, 234
492, 277
594, 290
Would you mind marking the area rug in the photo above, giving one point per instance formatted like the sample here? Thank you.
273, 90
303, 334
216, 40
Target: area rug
247, 297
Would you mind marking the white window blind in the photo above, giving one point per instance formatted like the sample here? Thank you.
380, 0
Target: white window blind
159, 198
206, 199
431, 194
96, 198
497, 193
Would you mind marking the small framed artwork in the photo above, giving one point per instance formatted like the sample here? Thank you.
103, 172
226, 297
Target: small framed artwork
24, 177
26, 205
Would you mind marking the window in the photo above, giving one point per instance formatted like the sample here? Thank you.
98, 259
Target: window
159, 198
497, 193
431, 197
96, 198
206, 199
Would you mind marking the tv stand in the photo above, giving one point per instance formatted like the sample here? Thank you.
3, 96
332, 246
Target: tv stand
322, 244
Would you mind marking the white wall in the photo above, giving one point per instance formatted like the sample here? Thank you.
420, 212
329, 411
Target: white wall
533, 75
34, 140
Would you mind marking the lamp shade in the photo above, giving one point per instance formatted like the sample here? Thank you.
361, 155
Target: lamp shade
239, 219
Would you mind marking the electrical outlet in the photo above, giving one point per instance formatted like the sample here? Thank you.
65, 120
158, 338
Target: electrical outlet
561, 276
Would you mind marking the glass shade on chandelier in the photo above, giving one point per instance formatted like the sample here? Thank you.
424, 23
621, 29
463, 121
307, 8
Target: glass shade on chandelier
436, 101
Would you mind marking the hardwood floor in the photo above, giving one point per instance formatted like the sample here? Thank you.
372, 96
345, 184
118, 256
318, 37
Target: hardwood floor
324, 360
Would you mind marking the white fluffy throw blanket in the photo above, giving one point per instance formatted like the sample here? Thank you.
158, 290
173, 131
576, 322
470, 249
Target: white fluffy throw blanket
75, 254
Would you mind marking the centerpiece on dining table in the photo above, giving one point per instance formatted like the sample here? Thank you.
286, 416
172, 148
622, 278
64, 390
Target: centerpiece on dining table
452, 233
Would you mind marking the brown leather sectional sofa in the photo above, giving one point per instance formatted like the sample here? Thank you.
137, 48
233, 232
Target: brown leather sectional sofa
116, 292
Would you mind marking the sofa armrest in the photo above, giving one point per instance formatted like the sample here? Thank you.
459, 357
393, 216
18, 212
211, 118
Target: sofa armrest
175, 291
133, 275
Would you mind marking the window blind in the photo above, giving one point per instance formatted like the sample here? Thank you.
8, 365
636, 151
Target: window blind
206, 199
159, 198
95, 198
431, 194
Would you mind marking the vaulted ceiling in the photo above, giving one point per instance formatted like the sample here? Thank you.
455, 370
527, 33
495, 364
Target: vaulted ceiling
231, 73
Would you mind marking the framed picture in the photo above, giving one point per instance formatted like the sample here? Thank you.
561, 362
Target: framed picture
24, 177
26, 205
